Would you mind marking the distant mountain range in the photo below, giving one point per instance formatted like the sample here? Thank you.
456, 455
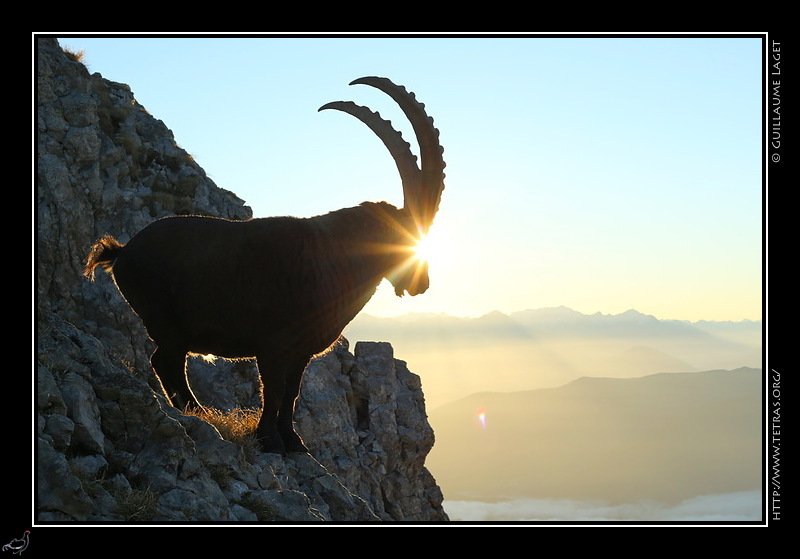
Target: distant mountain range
552, 405
550, 347
666, 437
547, 323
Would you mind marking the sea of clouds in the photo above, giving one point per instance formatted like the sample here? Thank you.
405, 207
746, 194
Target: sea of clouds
744, 506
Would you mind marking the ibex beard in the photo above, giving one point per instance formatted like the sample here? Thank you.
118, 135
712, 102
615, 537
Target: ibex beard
279, 289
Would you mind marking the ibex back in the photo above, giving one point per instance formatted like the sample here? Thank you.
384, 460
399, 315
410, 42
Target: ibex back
279, 289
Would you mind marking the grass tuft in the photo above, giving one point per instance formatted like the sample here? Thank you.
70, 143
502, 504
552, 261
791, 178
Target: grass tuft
137, 504
237, 426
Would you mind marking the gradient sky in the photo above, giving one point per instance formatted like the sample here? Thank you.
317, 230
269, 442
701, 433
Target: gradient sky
599, 173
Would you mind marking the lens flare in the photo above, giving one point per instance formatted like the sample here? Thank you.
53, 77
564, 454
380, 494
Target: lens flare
482, 417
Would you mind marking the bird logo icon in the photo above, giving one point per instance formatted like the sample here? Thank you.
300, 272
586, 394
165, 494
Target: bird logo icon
18, 545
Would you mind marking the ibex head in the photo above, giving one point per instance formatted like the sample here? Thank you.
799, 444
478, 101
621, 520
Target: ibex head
422, 187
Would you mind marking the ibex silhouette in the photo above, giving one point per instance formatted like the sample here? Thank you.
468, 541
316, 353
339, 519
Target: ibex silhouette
280, 289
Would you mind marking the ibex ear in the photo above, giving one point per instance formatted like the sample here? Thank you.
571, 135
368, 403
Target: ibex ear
422, 188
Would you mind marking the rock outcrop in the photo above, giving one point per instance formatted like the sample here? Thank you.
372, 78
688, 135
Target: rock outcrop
109, 446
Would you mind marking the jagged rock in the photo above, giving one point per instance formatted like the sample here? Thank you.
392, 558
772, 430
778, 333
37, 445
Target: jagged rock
109, 446
191, 471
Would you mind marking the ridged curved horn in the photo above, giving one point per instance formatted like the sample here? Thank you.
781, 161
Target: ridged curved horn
399, 149
422, 188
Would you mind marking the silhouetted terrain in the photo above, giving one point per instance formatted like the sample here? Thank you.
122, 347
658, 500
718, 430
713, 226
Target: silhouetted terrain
666, 438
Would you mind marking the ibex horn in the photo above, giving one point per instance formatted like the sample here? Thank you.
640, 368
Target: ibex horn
422, 188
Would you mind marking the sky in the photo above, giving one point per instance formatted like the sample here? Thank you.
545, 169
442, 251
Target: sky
598, 173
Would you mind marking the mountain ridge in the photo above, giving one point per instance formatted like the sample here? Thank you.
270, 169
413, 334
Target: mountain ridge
586, 380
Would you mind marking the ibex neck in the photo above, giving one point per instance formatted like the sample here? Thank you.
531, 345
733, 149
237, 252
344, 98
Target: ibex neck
363, 244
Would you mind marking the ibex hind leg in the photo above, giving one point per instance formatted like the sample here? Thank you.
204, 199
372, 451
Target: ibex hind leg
169, 364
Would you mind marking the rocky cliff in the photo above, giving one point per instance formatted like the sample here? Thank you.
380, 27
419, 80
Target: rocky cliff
109, 447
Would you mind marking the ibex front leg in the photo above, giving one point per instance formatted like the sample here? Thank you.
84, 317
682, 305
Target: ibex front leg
281, 384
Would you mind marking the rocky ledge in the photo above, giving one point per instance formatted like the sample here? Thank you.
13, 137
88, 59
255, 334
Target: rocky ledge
109, 448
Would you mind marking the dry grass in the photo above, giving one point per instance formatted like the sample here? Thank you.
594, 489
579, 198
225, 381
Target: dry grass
137, 504
237, 426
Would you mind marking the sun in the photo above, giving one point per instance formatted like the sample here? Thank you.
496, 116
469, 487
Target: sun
425, 248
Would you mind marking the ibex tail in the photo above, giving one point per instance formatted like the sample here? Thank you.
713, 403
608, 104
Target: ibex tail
103, 253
